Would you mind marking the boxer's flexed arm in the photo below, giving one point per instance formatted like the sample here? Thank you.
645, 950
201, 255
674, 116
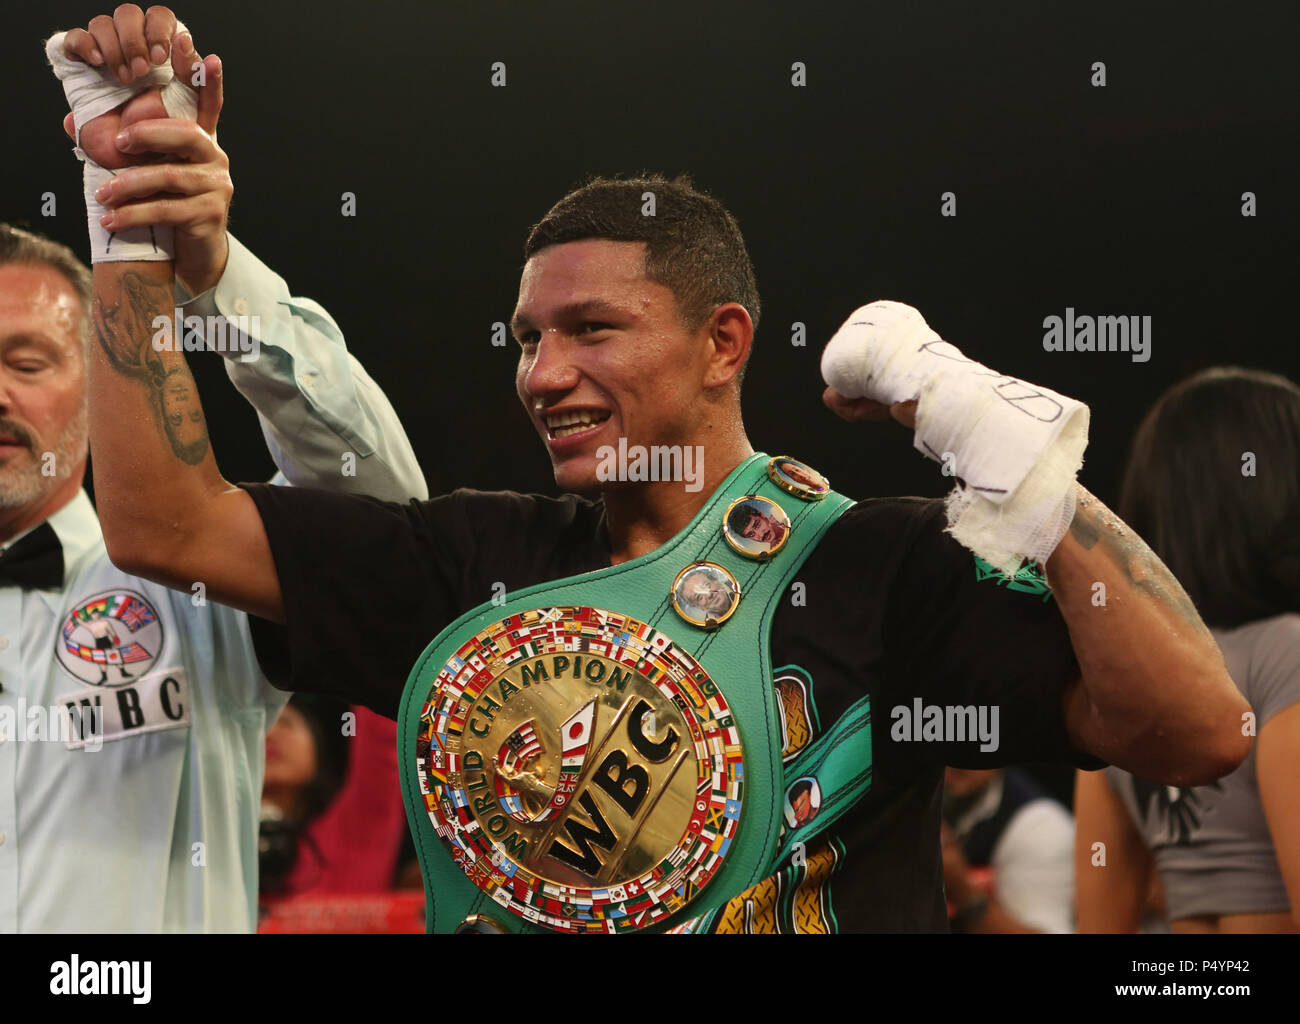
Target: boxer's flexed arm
166, 511
1155, 697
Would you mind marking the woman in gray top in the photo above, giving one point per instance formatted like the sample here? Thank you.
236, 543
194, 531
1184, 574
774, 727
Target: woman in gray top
1213, 484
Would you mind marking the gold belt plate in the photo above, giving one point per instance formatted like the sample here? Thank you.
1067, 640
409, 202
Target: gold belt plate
583, 770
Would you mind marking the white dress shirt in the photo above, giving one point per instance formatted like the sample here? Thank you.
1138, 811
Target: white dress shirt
149, 823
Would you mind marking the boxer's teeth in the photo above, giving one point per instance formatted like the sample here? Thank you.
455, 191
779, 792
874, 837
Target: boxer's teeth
564, 424
575, 428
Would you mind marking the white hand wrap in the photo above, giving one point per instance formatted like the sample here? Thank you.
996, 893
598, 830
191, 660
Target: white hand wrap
94, 91
1014, 447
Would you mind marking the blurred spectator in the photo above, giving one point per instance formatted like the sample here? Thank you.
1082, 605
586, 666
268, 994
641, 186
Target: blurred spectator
1213, 486
1007, 854
332, 817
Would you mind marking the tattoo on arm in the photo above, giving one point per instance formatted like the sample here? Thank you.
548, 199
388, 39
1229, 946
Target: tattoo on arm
123, 326
1094, 524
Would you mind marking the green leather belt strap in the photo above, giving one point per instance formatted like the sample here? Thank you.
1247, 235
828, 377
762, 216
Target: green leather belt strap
736, 655
840, 761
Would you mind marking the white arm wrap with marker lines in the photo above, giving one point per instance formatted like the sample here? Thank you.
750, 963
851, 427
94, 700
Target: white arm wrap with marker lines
1015, 448
91, 92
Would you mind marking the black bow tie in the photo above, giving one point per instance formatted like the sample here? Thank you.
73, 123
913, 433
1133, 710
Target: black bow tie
35, 561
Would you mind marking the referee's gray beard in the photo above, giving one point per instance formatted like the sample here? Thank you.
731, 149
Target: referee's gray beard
21, 486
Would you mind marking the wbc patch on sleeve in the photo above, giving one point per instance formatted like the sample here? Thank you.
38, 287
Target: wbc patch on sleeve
158, 701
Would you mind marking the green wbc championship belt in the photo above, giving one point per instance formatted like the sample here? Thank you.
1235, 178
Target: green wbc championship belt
602, 753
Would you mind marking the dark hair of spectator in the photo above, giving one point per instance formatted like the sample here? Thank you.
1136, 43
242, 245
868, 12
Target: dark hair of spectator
1213, 486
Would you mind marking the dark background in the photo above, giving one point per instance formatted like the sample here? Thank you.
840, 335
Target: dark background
1117, 201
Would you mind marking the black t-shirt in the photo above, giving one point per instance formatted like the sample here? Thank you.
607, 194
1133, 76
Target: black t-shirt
890, 606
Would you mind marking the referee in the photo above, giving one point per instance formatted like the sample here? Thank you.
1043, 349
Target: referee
144, 817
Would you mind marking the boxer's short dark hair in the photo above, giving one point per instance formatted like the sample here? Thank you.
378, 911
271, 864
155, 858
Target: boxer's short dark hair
19, 246
1232, 540
693, 244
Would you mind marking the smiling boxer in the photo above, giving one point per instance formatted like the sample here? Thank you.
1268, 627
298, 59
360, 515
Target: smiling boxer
639, 327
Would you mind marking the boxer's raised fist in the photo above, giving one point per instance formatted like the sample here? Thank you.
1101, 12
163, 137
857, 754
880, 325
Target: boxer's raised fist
157, 184
1012, 447
128, 42
878, 353
98, 136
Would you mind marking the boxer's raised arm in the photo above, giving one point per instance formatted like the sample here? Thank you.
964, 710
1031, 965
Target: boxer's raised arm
327, 424
167, 513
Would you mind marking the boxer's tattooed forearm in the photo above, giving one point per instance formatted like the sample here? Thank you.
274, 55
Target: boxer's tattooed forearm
1094, 524
123, 326
123, 322
1083, 528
